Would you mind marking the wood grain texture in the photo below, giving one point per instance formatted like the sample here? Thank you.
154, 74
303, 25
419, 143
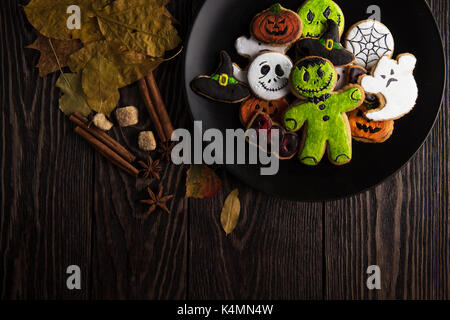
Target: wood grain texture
402, 226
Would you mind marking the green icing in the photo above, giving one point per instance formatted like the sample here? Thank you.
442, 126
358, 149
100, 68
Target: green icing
314, 14
336, 45
276, 8
313, 77
231, 80
325, 124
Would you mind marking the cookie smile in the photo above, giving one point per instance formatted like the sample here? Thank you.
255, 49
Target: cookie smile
316, 90
274, 89
390, 81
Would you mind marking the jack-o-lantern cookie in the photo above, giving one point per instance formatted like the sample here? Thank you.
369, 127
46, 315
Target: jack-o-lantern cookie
275, 109
395, 86
324, 114
315, 13
369, 40
268, 75
277, 26
365, 130
221, 86
328, 46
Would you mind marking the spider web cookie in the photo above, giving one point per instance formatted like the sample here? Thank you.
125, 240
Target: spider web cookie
369, 40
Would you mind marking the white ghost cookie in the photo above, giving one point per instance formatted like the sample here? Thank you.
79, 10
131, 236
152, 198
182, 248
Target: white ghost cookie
369, 40
268, 75
394, 83
250, 48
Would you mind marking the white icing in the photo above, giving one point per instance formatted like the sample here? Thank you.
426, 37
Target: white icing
268, 75
369, 40
239, 74
341, 82
251, 47
396, 82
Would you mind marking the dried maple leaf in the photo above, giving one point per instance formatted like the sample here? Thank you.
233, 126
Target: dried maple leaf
202, 182
73, 99
156, 201
151, 169
231, 211
54, 53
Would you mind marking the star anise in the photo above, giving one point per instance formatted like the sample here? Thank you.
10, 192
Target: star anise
156, 201
151, 169
165, 150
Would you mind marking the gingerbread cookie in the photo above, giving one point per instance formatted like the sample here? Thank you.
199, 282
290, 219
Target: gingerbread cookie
365, 130
268, 75
315, 13
394, 83
324, 115
369, 40
328, 46
277, 26
274, 109
221, 86
250, 47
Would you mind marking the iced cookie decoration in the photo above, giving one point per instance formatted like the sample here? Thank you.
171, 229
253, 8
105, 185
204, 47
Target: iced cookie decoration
324, 114
221, 86
394, 84
328, 46
274, 109
268, 75
365, 130
276, 26
288, 142
369, 40
315, 13
250, 47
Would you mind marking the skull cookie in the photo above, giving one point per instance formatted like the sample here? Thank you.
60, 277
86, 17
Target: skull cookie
268, 76
394, 84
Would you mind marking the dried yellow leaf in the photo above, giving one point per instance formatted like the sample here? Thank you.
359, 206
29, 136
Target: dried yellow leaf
230, 212
73, 99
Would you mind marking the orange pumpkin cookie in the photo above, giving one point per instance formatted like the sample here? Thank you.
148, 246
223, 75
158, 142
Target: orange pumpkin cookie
365, 130
252, 106
277, 26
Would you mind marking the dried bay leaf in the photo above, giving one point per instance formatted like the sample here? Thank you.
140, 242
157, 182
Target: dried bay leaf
100, 84
143, 26
73, 99
230, 212
48, 62
202, 182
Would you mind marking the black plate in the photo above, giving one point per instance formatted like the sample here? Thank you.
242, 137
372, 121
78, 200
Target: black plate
415, 31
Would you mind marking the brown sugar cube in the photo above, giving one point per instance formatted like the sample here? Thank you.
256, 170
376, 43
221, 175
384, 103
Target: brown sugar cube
128, 116
101, 122
147, 141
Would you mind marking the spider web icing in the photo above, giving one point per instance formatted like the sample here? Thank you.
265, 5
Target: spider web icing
369, 44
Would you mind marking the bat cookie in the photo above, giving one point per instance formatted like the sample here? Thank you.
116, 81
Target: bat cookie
276, 26
324, 114
315, 13
221, 86
369, 40
394, 83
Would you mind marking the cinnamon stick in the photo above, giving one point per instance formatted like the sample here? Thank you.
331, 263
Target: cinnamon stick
160, 107
83, 122
107, 152
145, 93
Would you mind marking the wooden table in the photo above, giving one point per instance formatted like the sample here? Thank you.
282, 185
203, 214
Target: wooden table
62, 204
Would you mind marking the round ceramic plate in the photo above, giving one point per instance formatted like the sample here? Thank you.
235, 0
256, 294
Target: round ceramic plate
221, 22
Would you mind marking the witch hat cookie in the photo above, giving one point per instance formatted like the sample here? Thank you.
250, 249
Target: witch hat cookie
327, 46
221, 86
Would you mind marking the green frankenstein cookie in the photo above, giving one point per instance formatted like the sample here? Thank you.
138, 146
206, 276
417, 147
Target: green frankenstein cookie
324, 114
315, 13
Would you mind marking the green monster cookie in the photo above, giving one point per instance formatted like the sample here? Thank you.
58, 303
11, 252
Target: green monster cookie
323, 115
315, 13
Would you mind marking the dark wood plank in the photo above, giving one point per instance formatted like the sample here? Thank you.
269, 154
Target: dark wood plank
401, 226
46, 176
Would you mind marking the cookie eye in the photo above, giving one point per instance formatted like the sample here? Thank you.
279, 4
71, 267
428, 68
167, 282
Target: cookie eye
383, 76
320, 73
270, 22
265, 70
327, 12
257, 107
310, 16
282, 21
306, 76
279, 71
392, 72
